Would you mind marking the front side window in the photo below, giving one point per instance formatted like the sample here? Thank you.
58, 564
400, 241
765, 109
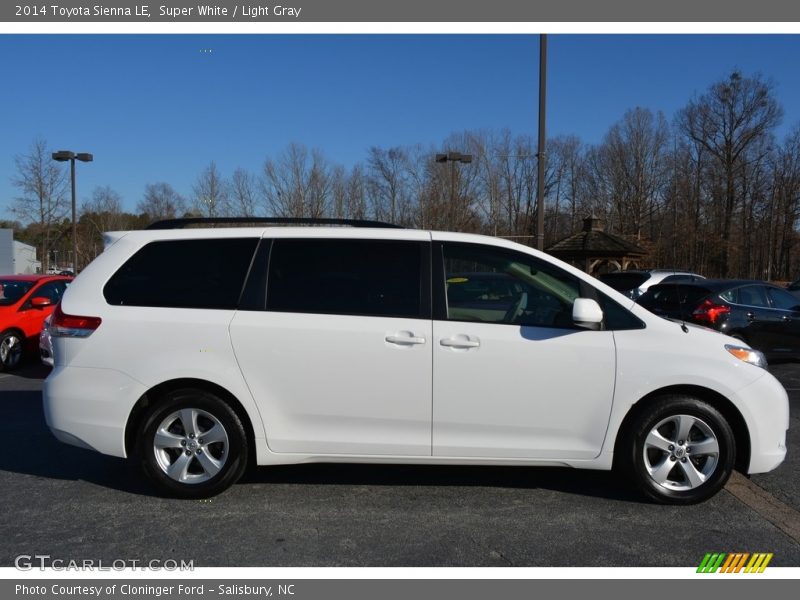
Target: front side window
204, 273
52, 291
493, 285
782, 300
380, 278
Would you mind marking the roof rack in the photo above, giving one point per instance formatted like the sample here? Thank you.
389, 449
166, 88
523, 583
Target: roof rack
181, 223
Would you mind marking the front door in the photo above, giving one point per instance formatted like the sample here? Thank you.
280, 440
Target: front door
514, 377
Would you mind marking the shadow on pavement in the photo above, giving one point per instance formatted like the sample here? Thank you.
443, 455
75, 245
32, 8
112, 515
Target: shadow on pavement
601, 484
36, 452
39, 454
32, 369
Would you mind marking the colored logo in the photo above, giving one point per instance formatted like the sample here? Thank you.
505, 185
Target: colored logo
736, 562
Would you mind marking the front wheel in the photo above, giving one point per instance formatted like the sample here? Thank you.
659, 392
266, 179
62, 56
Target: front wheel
11, 347
679, 450
192, 444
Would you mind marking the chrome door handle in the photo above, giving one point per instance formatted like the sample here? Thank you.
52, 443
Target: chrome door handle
405, 340
459, 343
751, 316
786, 318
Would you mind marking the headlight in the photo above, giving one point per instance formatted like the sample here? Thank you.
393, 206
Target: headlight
748, 355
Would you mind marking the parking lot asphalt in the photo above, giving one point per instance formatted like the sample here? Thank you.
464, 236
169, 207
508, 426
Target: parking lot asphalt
73, 504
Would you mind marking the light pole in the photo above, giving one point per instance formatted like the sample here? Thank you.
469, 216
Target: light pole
453, 158
61, 156
540, 150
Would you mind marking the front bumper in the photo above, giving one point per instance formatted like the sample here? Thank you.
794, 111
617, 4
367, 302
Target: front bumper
765, 408
89, 408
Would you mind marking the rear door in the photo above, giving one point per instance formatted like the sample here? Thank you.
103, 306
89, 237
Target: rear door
756, 316
338, 357
784, 325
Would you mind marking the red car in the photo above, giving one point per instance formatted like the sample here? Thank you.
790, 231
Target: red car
25, 302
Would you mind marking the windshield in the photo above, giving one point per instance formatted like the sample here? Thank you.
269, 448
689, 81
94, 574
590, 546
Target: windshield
11, 290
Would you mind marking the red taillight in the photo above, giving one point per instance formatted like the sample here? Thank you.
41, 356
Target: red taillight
709, 312
64, 325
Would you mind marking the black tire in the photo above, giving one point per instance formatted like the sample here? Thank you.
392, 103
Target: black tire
681, 485
210, 410
12, 350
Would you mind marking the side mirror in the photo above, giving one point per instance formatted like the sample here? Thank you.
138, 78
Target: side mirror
586, 312
41, 302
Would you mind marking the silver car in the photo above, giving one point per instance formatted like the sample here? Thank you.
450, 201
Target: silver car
46, 343
635, 283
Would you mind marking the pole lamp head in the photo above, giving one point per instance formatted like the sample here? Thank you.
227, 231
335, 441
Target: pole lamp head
84, 157
63, 155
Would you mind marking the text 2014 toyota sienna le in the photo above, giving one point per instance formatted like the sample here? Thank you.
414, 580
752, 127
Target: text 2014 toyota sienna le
196, 351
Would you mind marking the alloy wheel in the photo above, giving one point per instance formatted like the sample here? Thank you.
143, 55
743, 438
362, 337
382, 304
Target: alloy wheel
681, 452
191, 446
10, 351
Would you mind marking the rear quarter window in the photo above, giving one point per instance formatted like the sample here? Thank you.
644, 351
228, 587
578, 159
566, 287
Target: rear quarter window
207, 273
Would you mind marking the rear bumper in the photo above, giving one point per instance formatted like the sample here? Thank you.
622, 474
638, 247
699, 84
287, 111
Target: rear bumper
89, 408
765, 407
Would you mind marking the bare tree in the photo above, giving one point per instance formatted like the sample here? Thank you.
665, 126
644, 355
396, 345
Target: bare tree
386, 181
210, 192
102, 213
105, 209
297, 183
160, 202
243, 193
42, 185
733, 116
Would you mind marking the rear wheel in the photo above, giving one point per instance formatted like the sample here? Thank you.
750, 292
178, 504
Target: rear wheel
192, 444
10, 350
679, 450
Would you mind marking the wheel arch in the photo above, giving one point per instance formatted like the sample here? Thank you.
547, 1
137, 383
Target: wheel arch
152, 396
735, 419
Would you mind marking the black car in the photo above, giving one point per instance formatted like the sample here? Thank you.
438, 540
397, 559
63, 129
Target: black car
794, 288
763, 315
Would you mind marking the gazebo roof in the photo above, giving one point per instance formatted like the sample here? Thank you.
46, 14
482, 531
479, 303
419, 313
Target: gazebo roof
593, 242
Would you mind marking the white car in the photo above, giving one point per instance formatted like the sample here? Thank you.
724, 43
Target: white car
197, 351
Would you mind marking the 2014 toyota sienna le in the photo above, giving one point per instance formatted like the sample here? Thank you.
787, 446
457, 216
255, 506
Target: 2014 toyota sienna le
196, 351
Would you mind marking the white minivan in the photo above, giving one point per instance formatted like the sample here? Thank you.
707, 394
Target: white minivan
198, 351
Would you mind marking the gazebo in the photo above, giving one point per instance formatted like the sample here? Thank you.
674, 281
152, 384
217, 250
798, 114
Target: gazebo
594, 250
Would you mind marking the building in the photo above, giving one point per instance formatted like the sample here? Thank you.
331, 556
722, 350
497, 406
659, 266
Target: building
596, 251
16, 257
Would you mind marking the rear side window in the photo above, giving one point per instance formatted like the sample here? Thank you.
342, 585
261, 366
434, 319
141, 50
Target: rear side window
624, 282
753, 295
205, 273
661, 297
677, 279
379, 278
672, 297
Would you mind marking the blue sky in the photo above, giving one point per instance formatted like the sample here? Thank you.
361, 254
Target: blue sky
160, 108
